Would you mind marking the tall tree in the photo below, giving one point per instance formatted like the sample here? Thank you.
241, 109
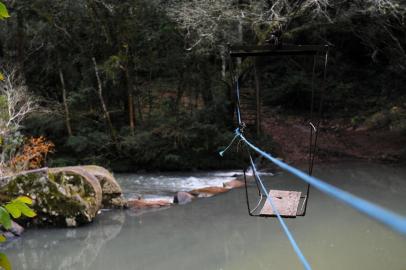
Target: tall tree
103, 103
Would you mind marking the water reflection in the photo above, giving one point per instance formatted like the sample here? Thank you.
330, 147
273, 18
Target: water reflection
63, 249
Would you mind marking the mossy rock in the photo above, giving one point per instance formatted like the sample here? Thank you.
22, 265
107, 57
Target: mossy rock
89, 181
67, 196
112, 192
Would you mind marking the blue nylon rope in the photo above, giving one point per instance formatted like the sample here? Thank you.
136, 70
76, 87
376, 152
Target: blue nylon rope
285, 228
231, 143
238, 101
385, 216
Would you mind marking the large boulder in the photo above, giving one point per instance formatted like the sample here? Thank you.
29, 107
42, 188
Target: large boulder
67, 196
112, 192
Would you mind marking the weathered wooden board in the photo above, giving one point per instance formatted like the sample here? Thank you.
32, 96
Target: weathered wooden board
286, 202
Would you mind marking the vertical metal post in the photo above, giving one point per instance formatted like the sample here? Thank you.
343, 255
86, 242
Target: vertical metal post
258, 98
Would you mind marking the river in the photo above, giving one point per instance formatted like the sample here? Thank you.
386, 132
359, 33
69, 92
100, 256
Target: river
217, 233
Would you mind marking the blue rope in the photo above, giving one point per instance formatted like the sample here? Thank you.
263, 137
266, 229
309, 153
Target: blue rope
387, 217
292, 241
238, 101
231, 143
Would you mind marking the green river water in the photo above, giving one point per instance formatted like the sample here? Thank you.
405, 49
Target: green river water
217, 233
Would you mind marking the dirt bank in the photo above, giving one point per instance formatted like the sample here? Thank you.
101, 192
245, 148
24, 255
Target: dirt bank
338, 140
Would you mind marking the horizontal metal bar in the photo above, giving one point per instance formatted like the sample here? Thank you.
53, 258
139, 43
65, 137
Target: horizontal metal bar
260, 50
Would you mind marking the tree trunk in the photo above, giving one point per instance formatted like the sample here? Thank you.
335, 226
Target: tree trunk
223, 64
150, 95
131, 117
65, 104
129, 71
139, 107
20, 41
103, 104
180, 90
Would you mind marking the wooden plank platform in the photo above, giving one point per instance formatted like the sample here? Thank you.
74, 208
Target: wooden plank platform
287, 203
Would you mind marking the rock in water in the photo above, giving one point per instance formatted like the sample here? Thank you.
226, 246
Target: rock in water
112, 192
141, 203
183, 198
9, 235
234, 184
58, 194
16, 229
208, 191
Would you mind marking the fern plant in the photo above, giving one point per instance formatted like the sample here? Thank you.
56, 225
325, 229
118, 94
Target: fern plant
15, 209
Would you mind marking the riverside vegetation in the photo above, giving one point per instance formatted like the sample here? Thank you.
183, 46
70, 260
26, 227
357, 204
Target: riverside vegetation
144, 85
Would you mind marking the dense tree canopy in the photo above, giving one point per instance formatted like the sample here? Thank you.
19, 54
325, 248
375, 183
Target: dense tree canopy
139, 84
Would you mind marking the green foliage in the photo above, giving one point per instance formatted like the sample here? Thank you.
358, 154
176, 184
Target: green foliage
10, 145
21, 208
16, 208
180, 142
113, 66
13, 210
3, 12
3, 15
4, 116
4, 262
5, 218
78, 143
64, 161
393, 118
356, 120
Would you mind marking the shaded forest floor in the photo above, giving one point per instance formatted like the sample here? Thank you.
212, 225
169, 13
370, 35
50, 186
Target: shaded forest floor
338, 140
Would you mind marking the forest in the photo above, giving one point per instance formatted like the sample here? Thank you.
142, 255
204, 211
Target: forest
146, 85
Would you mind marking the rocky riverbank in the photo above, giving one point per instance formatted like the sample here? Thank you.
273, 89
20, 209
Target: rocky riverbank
73, 196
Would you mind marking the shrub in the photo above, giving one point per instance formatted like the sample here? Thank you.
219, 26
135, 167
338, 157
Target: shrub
33, 154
